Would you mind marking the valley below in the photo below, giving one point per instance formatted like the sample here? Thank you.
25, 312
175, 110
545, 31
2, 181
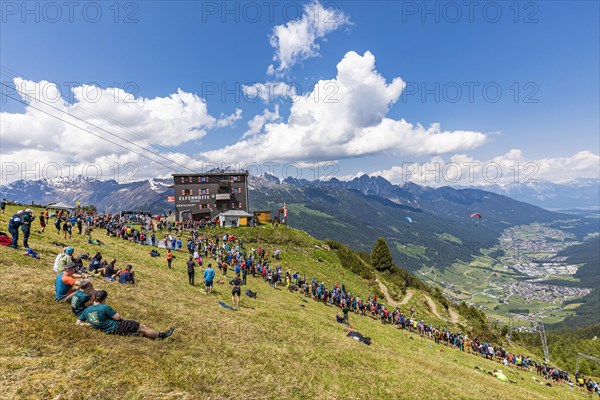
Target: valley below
521, 280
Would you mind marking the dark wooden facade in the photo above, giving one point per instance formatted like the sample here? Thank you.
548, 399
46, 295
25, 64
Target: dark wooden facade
200, 196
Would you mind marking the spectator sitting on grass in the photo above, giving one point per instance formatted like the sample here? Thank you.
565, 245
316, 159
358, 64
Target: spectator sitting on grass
126, 276
63, 259
64, 283
102, 317
109, 271
83, 297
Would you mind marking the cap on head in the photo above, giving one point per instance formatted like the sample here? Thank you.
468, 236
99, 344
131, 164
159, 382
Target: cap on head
29, 210
19, 212
69, 250
70, 266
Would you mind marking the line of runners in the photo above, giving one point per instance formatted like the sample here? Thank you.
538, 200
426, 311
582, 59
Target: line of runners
230, 254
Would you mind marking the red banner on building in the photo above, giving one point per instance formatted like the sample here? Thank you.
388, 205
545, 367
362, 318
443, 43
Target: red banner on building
171, 199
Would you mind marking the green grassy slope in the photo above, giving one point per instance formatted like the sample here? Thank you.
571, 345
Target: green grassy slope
272, 348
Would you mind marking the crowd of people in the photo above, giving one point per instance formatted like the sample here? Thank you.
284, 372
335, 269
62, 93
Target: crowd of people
229, 253
73, 284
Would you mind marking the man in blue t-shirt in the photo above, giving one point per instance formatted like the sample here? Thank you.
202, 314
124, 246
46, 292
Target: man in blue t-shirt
102, 317
209, 275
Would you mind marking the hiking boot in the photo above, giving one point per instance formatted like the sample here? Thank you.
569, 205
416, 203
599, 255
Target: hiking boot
167, 333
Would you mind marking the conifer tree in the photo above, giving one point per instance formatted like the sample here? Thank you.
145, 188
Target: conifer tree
381, 258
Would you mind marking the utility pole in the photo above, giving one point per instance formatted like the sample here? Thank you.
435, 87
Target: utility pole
581, 355
508, 334
544, 342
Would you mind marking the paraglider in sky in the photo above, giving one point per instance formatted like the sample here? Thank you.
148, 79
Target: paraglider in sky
409, 219
476, 217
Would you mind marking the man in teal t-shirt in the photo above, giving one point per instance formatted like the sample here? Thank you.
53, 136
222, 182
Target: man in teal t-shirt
102, 317
82, 298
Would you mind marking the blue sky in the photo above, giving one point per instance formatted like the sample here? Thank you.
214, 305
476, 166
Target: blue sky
543, 56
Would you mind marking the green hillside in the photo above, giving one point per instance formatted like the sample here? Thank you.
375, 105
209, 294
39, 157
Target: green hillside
351, 217
275, 346
588, 254
586, 308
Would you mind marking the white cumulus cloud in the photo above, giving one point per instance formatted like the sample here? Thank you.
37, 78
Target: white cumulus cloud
116, 125
347, 117
296, 40
512, 167
256, 124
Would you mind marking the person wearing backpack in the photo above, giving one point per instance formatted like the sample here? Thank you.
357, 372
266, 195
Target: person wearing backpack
63, 259
13, 228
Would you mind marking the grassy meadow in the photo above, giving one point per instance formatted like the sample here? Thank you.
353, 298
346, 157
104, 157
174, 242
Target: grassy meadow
275, 346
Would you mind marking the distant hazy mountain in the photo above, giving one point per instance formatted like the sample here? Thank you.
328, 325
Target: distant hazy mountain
579, 193
108, 196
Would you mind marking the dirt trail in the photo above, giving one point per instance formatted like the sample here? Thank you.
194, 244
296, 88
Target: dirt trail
454, 318
385, 292
433, 308
407, 297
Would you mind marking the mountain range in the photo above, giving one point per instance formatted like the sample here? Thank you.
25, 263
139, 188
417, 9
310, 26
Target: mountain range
578, 193
421, 224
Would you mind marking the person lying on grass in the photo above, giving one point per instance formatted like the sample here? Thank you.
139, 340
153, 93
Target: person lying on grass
102, 317
95, 241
